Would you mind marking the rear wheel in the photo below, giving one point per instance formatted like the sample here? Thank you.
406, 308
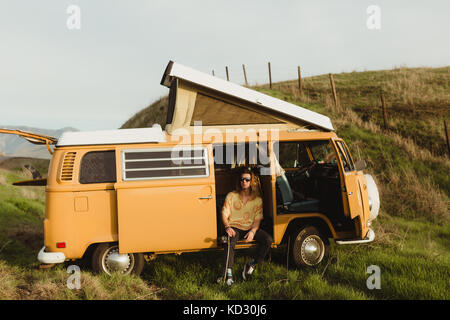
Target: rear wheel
308, 247
107, 259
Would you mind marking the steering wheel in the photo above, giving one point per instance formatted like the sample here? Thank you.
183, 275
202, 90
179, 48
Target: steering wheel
306, 167
303, 170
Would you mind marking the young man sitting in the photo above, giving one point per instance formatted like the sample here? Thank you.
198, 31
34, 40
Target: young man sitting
242, 213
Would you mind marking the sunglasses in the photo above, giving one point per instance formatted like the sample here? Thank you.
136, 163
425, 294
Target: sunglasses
245, 179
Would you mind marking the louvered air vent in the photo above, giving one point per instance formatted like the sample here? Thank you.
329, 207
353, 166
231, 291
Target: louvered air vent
67, 167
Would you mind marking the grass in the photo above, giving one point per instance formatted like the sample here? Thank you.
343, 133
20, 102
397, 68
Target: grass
412, 231
412, 256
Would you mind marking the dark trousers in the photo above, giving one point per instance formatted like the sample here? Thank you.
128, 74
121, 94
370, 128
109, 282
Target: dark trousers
263, 239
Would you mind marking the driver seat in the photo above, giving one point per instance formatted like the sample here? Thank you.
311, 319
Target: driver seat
287, 198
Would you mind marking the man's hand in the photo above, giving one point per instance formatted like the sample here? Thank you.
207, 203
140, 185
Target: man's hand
249, 236
231, 233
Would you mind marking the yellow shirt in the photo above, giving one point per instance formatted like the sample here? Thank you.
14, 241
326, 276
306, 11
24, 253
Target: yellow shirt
242, 215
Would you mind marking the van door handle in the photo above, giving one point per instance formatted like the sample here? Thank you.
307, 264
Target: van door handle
207, 197
350, 193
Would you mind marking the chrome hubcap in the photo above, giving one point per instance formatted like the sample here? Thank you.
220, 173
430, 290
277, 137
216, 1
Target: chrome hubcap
113, 261
312, 250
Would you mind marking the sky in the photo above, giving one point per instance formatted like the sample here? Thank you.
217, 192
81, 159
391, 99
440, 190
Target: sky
92, 64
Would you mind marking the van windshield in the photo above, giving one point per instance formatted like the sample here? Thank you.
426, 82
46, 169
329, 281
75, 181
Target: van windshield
291, 154
322, 152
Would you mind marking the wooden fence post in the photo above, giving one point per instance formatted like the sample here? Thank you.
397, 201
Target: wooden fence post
228, 76
300, 89
333, 91
446, 135
270, 76
383, 106
245, 75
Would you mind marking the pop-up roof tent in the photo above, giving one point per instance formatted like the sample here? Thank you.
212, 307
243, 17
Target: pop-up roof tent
199, 98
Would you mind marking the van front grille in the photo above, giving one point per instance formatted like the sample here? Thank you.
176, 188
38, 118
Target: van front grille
67, 167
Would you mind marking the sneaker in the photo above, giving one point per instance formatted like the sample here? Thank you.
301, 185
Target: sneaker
248, 271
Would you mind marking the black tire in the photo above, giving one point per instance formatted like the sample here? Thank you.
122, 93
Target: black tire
106, 259
308, 247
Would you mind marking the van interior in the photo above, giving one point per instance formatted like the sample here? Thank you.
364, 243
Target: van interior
307, 180
312, 175
229, 159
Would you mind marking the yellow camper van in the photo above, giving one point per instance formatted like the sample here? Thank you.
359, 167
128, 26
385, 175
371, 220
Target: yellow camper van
122, 195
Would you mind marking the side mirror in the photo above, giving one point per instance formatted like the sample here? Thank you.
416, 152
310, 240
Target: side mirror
360, 165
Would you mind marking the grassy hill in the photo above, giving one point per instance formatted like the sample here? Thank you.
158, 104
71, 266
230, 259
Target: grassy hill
412, 241
410, 159
418, 100
155, 113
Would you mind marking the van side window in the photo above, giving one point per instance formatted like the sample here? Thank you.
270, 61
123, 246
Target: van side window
98, 167
156, 163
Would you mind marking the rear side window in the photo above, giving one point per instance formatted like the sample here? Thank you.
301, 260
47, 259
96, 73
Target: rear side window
98, 167
148, 164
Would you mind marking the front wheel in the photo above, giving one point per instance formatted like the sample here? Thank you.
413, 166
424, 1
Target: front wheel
107, 259
308, 247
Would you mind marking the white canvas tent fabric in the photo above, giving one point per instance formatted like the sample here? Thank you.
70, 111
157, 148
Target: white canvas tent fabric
176, 70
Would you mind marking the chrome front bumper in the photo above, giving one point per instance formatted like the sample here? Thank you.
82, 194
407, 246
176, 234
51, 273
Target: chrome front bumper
369, 238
